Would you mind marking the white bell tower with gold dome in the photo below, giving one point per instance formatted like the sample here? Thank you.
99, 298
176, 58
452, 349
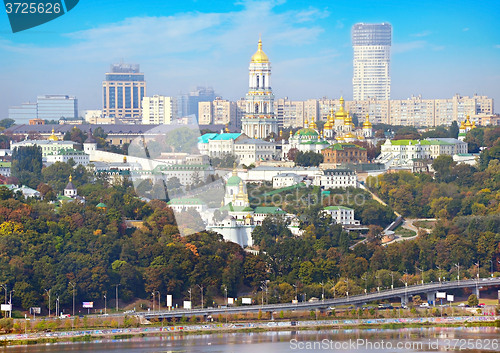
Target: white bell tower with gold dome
259, 120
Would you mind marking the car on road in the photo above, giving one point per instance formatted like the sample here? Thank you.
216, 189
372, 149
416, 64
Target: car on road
424, 305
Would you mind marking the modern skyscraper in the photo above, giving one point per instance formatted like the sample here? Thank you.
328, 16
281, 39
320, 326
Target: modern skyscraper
187, 104
123, 90
372, 57
259, 120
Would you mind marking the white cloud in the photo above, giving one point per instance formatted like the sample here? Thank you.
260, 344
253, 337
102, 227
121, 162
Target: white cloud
422, 34
405, 47
465, 29
175, 52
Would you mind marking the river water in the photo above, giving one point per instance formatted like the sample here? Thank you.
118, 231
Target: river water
345, 340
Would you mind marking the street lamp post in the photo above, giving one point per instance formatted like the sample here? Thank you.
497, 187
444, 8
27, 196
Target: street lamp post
378, 282
10, 302
105, 304
477, 280
296, 300
153, 294
392, 280
347, 287
322, 292
366, 287
201, 289
189, 291
73, 285
48, 293
439, 268
458, 267
57, 306
491, 261
421, 273
159, 301
116, 285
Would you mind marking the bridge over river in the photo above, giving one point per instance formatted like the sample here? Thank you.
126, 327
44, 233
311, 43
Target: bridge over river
430, 289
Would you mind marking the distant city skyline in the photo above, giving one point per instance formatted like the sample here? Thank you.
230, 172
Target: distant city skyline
438, 49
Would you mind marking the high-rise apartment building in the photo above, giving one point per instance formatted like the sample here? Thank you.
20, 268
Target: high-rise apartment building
219, 111
158, 110
123, 90
372, 57
259, 120
289, 113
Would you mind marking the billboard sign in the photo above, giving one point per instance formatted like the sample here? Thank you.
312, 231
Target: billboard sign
230, 301
169, 300
6, 307
88, 305
441, 295
35, 310
450, 297
246, 301
187, 304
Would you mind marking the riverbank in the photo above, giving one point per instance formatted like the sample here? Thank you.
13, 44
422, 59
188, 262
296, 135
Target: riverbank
210, 328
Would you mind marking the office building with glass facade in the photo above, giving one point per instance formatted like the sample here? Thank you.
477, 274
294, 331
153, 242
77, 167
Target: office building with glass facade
123, 90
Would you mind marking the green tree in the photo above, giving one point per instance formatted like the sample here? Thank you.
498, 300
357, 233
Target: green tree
6, 123
454, 129
27, 165
472, 301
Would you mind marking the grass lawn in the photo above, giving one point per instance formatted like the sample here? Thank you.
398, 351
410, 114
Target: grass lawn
405, 233
424, 224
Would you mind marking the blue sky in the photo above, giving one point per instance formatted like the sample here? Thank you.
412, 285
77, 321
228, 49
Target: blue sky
439, 48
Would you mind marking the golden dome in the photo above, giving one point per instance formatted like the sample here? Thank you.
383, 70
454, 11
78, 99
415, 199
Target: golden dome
340, 138
259, 56
227, 129
462, 125
367, 124
248, 216
312, 124
474, 125
348, 120
53, 137
281, 132
328, 125
341, 100
361, 137
467, 122
350, 135
306, 124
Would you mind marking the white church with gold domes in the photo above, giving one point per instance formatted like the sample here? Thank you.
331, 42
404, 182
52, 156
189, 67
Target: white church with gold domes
465, 127
338, 128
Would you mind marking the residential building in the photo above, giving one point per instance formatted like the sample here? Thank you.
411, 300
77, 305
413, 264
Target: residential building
218, 111
158, 110
342, 215
344, 153
289, 113
260, 120
37, 122
123, 90
286, 179
336, 178
372, 57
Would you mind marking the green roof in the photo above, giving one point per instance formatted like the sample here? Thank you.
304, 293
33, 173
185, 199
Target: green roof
409, 142
306, 132
101, 205
186, 201
277, 191
341, 146
336, 208
234, 180
5, 164
230, 208
268, 210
